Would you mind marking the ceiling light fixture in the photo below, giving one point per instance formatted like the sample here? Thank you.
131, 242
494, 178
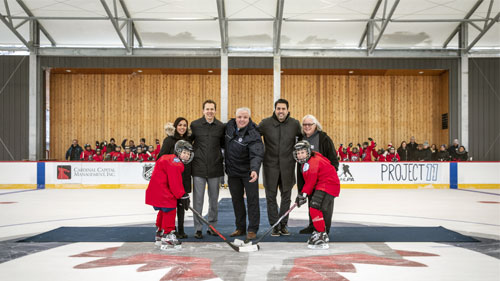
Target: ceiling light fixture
210, 71
420, 72
351, 71
139, 70
68, 70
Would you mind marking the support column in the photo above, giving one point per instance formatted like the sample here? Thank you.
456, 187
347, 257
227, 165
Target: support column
33, 118
224, 87
277, 78
463, 133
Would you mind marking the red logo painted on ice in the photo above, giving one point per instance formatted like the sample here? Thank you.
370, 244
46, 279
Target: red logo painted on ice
64, 172
328, 267
183, 268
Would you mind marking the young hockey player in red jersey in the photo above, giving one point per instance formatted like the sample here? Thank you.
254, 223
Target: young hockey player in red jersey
140, 156
392, 156
366, 150
165, 188
322, 185
128, 155
117, 155
380, 155
343, 153
97, 156
151, 153
87, 153
354, 155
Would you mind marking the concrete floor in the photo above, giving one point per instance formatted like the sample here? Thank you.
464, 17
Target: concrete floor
471, 212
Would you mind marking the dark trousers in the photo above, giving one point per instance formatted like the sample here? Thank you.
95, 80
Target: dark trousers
326, 209
180, 217
238, 187
272, 205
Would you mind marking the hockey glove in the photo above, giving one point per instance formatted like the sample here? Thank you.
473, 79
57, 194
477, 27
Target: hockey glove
301, 199
185, 202
370, 139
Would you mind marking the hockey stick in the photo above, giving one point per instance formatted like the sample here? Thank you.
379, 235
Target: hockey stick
270, 229
245, 248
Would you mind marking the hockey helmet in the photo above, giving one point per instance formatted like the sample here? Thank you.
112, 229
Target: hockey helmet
302, 145
182, 145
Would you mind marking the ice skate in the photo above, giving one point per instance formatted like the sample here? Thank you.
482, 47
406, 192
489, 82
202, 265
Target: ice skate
170, 242
159, 235
318, 240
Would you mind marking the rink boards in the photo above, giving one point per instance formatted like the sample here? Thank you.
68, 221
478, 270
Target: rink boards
111, 175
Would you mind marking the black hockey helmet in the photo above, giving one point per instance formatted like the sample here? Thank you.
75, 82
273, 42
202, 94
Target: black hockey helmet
302, 145
182, 145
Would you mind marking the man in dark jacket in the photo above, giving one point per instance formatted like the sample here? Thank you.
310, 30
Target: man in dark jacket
74, 151
423, 152
452, 150
243, 153
319, 141
412, 149
206, 168
280, 132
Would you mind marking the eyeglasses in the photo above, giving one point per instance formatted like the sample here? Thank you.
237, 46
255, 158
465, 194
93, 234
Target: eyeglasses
307, 124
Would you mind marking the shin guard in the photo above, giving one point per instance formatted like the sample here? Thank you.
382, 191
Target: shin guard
317, 219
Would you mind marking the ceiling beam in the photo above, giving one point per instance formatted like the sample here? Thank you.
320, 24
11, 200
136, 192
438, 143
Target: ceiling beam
480, 35
224, 37
384, 25
467, 16
127, 14
278, 22
116, 26
372, 16
13, 30
42, 28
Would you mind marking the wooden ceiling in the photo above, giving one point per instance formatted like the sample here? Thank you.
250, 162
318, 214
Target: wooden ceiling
241, 71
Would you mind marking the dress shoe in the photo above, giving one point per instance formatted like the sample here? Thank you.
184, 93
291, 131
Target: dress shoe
237, 232
251, 235
284, 230
276, 231
198, 235
211, 232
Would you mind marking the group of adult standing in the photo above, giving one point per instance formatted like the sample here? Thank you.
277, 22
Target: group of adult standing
240, 140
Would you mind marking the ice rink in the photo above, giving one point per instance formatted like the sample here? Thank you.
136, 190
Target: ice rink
472, 212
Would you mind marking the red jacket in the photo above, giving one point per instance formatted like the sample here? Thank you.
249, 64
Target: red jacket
116, 156
85, 155
390, 156
97, 157
355, 157
165, 186
151, 156
367, 152
141, 156
129, 156
343, 156
319, 174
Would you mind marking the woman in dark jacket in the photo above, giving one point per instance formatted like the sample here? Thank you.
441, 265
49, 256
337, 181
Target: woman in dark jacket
322, 143
462, 154
403, 152
442, 154
179, 131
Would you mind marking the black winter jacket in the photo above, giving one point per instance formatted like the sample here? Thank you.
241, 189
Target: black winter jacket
244, 149
412, 151
404, 154
423, 155
78, 152
208, 139
443, 156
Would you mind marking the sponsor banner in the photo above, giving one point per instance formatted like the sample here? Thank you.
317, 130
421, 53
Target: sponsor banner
19, 174
112, 175
480, 175
382, 173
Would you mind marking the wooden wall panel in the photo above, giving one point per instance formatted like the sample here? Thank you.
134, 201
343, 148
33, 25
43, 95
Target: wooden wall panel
92, 107
389, 109
252, 91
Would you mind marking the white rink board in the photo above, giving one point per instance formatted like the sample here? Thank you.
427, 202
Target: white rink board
18, 172
478, 173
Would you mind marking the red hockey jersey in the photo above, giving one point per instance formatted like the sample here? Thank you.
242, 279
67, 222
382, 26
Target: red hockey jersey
319, 174
165, 186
